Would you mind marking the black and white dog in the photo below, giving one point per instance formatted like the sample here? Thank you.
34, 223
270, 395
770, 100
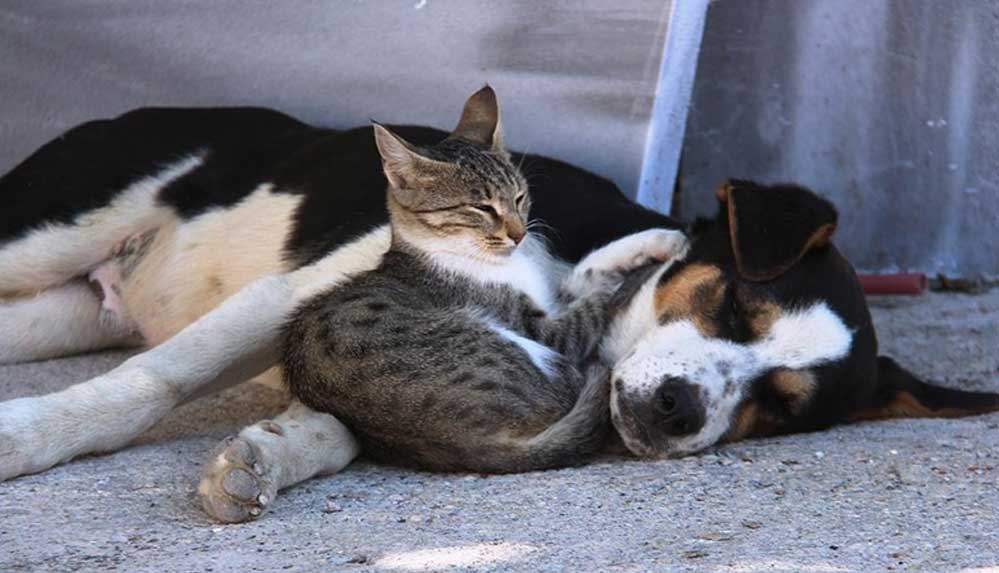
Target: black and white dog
195, 232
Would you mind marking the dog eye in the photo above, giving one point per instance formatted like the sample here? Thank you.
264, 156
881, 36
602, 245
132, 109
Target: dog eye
734, 310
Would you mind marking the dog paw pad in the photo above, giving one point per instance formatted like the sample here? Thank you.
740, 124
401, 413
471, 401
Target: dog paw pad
235, 485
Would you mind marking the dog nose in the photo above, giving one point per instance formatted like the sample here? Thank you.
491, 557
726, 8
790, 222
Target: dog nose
679, 408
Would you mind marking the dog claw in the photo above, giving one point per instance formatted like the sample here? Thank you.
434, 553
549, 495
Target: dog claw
272, 427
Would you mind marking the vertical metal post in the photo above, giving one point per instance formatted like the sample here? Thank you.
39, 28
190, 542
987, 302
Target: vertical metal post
684, 29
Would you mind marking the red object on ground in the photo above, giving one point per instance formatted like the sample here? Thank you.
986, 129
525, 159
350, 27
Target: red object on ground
899, 283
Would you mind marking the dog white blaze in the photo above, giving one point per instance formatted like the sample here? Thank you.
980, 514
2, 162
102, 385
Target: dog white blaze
720, 369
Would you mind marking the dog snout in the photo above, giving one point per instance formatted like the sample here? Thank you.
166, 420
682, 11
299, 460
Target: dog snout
678, 408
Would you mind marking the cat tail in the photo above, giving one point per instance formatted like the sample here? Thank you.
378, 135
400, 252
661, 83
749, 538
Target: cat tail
573, 438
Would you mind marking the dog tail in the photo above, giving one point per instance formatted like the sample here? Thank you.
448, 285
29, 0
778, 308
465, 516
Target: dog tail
903, 395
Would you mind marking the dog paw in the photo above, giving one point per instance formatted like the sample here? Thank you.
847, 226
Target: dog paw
239, 482
653, 245
605, 268
21, 452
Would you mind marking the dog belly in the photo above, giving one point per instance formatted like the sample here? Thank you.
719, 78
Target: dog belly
190, 267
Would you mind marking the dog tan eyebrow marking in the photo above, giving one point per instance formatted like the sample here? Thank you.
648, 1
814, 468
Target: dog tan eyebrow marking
695, 292
743, 422
749, 421
760, 314
795, 386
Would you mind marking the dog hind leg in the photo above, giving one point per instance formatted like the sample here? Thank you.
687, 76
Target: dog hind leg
57, 322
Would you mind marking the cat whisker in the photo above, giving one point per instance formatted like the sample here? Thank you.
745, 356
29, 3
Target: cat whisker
543, 239
523, 157
534, 224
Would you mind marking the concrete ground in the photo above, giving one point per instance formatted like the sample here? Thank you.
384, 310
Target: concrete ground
917, 495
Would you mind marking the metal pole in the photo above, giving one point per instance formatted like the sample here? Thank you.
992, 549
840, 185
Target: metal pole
684, 29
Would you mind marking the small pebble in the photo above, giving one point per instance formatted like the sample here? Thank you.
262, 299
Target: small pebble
347, 559
694, 554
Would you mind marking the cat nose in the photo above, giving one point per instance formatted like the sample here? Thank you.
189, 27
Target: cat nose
516, 232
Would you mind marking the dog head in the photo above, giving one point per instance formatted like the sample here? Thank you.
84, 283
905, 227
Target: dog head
761, 329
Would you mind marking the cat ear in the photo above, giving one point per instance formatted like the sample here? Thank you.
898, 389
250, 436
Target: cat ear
480, 120
400, 160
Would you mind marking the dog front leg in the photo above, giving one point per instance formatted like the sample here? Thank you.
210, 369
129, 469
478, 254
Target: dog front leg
246, 472
232, 343
605, 268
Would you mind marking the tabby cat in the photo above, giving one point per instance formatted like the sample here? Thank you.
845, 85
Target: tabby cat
456, 353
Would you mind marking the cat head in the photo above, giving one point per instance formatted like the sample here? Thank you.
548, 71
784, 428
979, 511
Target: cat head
461, 196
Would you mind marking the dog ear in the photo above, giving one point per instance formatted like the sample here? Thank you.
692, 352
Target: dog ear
902, 395
772, 227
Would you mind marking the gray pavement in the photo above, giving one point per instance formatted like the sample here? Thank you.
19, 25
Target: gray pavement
905, 495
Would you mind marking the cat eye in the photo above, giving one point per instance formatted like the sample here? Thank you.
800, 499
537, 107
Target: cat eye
519, 199
487, 209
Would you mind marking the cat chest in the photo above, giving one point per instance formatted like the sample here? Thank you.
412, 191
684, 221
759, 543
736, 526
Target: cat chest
531, 281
